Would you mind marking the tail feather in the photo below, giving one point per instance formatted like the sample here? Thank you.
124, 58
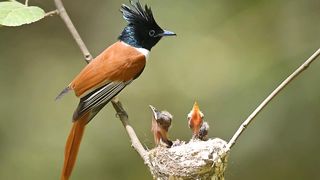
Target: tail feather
72, 146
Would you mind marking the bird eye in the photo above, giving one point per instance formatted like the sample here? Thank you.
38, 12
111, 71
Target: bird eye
152, 33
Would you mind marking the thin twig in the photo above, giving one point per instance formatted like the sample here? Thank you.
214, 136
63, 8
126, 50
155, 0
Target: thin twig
65, 17
136, 144
123, 116
51, 13
243, 126
26, 2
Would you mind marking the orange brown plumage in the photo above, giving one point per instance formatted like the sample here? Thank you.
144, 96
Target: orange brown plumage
111, 65
161, 122
72, 146
195, 119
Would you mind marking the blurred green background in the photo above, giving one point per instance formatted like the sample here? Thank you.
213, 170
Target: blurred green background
228, 55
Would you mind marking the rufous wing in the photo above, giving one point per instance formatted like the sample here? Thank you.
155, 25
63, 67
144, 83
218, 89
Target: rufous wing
118, 63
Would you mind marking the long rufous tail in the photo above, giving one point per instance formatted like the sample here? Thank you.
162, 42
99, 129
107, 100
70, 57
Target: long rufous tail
72, 146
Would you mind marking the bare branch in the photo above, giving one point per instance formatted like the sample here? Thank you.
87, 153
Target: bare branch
65, 17
123, 116
243, 126
26, 2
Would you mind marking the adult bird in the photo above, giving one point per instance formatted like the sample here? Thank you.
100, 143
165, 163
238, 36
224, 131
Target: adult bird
161, 122
110, 72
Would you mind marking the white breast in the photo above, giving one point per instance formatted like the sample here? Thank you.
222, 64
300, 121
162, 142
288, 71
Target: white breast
144, 51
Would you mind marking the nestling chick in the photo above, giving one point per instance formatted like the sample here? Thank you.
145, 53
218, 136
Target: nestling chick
203, 132
161, 121
195, 120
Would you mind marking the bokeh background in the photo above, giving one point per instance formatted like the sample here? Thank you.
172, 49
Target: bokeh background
228, 55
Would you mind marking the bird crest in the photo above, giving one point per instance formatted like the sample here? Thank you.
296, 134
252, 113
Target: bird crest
136, 14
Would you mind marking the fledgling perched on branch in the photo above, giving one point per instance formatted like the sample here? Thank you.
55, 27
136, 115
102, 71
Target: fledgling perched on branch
161, 122
195, 120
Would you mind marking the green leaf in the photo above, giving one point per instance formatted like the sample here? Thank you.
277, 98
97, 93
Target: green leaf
13, 13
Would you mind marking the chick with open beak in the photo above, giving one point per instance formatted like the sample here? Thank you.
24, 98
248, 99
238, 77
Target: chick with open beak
195, 120
161, 122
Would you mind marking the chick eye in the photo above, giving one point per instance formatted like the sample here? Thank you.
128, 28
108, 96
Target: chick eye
152, 33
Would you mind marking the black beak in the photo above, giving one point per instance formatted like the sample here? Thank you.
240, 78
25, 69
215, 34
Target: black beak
167, 33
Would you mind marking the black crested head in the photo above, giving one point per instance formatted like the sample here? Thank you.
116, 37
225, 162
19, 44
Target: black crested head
142, 30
